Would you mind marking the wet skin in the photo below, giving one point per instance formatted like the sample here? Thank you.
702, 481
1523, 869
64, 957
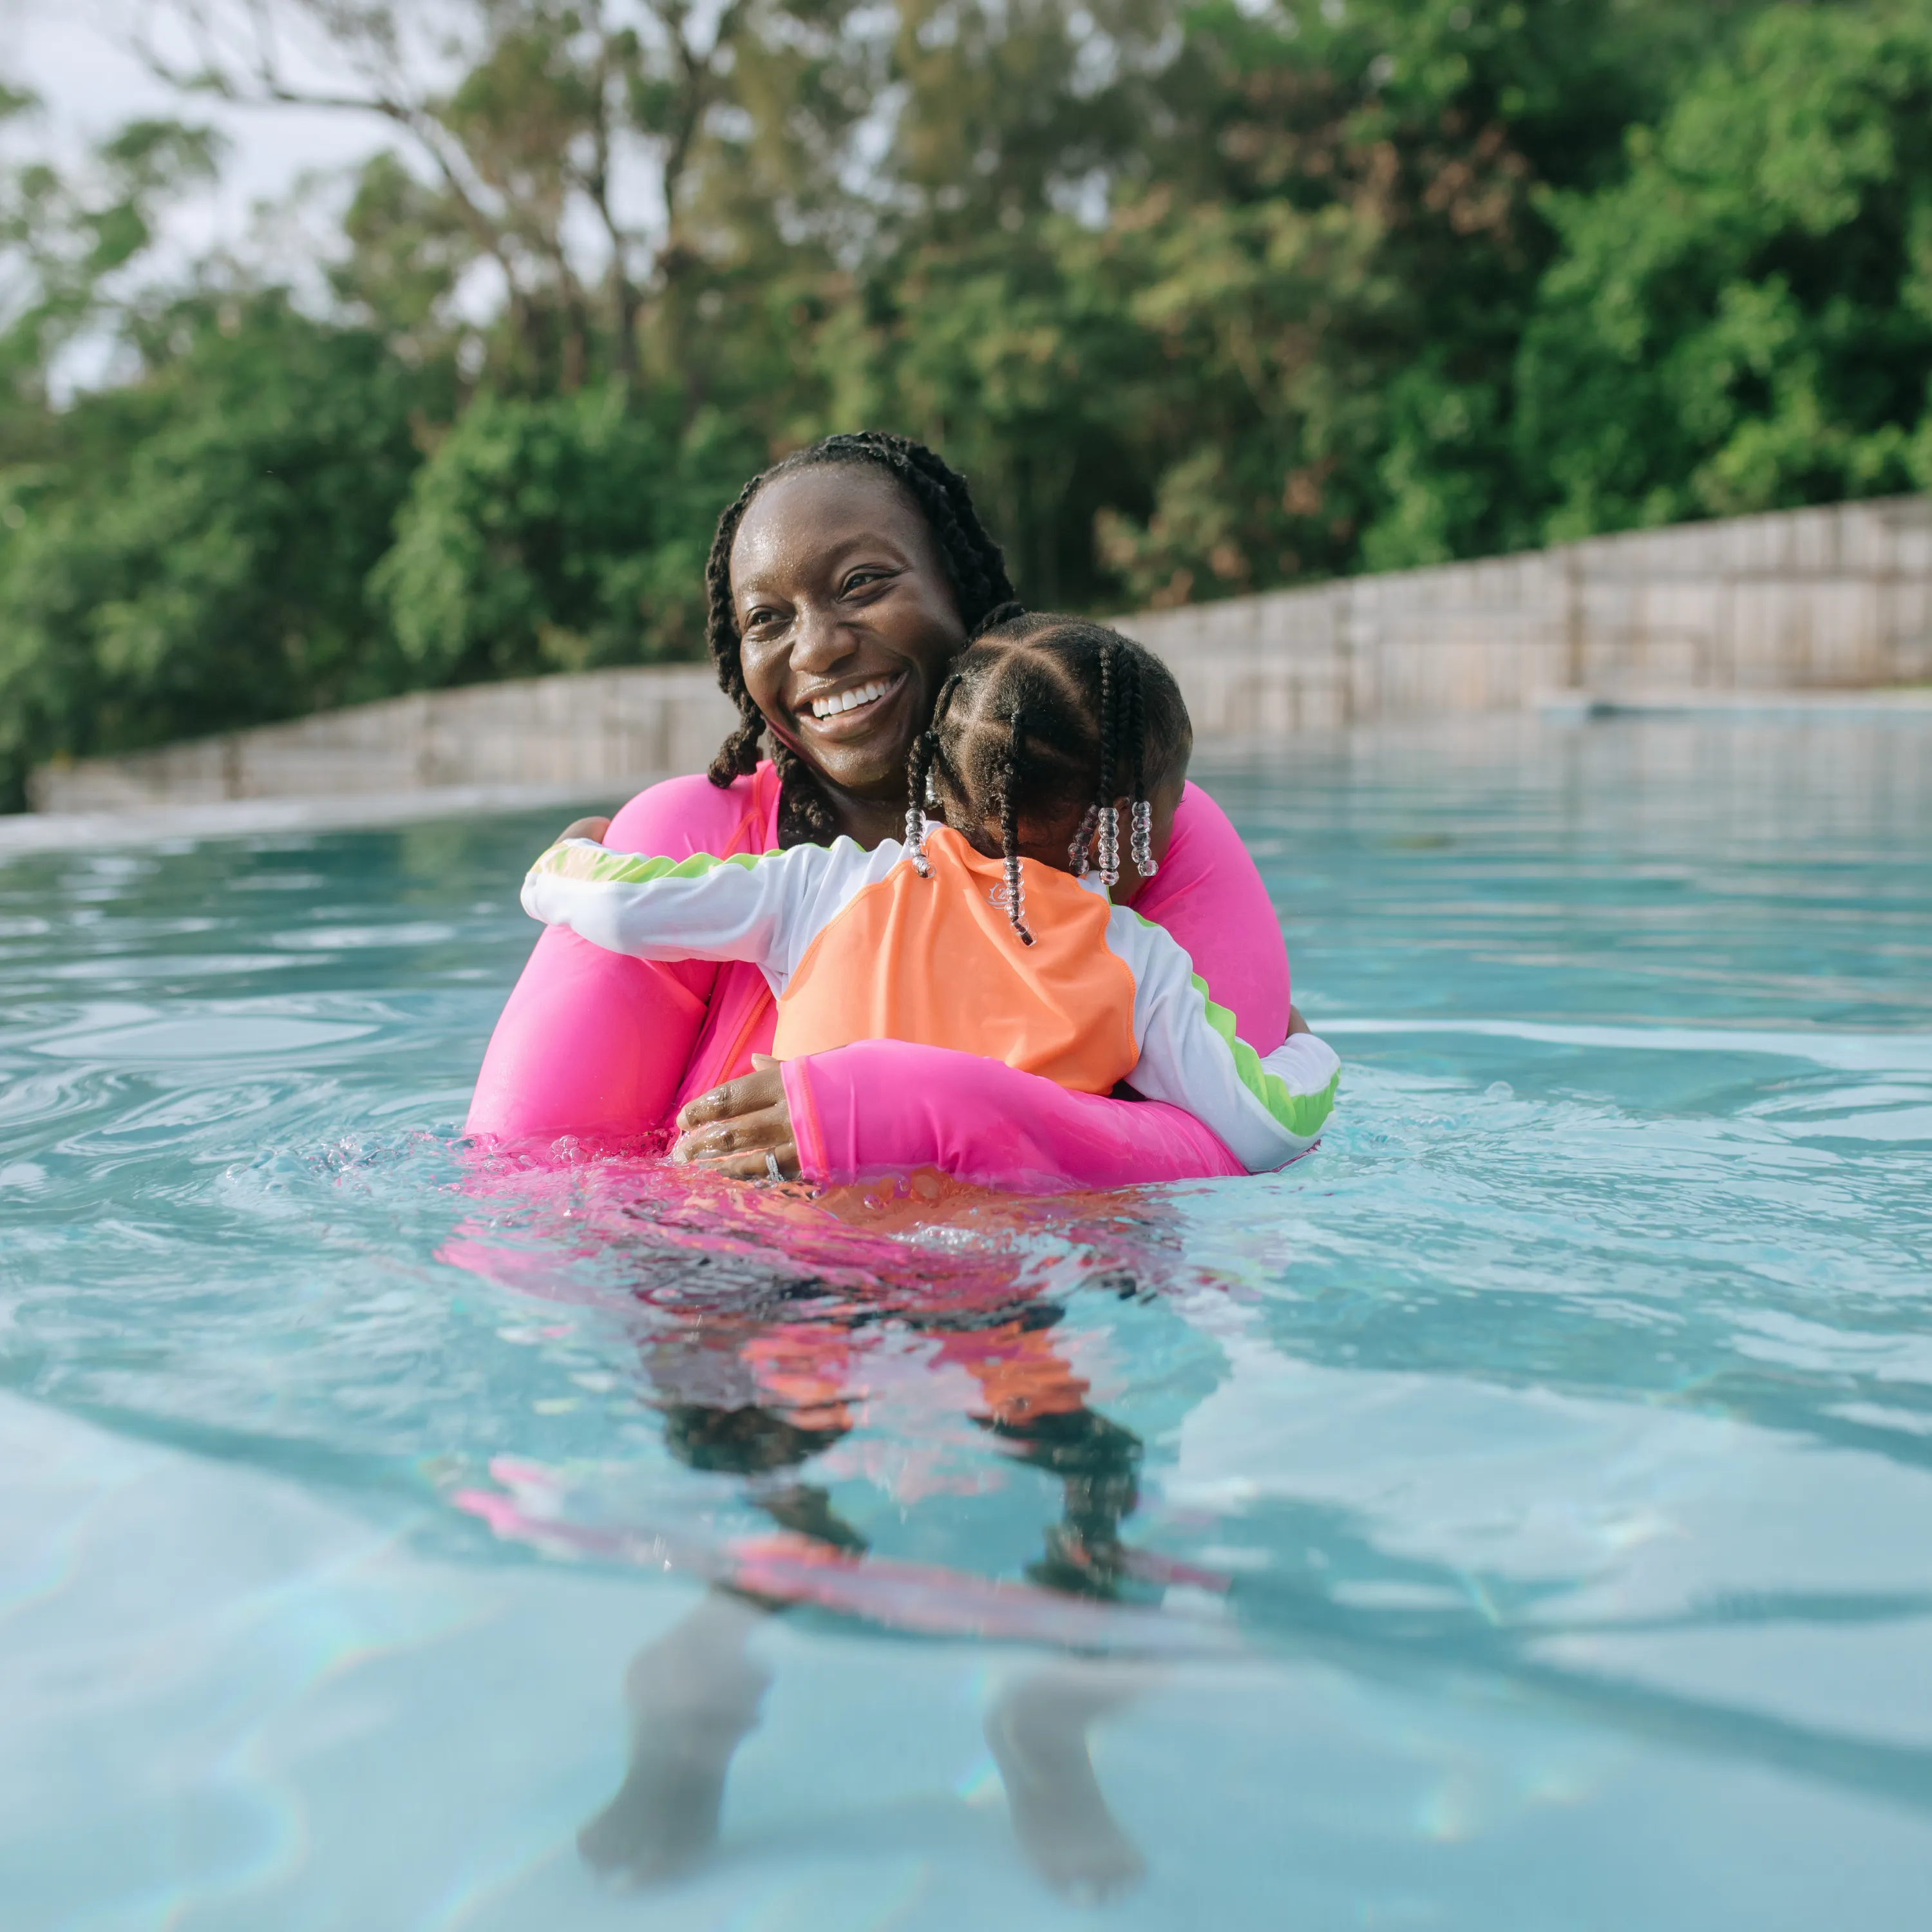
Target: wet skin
840, 590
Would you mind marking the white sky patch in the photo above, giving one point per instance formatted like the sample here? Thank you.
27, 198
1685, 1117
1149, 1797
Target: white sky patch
286, 171
76, 55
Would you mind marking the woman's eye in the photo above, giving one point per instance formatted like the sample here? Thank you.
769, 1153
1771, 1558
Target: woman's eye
861, 579
756, 620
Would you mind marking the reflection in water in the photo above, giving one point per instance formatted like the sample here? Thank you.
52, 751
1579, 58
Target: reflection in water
758, 1382
768, 1320
1544, 1466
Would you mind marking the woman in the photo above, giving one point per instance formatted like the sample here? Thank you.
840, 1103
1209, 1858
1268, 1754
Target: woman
842, 582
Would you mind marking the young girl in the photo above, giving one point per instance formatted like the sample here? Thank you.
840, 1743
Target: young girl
991, 931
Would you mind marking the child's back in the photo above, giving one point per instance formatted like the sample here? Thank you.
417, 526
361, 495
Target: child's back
931, 960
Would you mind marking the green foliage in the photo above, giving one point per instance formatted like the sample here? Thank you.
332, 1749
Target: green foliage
1745, 322
558, 534
1343, 261
195, 560
407, 253
62, 240
1017, 356
1206, 296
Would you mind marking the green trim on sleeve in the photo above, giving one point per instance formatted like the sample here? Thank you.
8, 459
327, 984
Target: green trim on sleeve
601, 868
1302, 1115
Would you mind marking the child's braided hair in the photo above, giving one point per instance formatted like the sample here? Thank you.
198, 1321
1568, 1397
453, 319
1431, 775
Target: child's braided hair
974, 561
1042, 720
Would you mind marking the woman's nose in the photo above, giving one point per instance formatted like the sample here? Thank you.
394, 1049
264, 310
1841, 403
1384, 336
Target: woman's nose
820, 641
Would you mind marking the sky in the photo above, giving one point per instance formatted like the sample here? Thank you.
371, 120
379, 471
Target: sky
78, 56
75, 55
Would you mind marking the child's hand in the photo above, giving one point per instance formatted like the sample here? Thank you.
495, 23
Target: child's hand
585, 828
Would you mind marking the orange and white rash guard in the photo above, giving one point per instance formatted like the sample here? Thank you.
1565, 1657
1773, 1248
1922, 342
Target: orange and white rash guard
857, 945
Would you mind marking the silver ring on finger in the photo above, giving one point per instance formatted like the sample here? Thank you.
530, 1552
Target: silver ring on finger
772, 1167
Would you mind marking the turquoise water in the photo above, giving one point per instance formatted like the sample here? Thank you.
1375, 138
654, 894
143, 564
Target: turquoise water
1519, 1514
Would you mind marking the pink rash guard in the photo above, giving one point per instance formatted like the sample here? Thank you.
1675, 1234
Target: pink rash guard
596, 1045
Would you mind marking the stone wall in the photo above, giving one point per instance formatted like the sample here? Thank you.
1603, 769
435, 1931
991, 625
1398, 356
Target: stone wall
596, 731
1839, 598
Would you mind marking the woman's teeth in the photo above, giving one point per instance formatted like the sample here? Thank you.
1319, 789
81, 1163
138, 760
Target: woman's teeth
850, 701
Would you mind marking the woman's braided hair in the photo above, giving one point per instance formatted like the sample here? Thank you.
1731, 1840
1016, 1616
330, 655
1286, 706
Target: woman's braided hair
1041, 719
974, 561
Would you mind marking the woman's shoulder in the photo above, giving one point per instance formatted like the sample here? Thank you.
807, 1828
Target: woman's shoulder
1204, 845
677, 816
1211, 899
1198, 817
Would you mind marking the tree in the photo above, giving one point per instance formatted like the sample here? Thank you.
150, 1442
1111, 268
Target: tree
64, 240
562, 144
1213, 296
1745, 322
1340, 254
558, 534
196, 559
1205, 296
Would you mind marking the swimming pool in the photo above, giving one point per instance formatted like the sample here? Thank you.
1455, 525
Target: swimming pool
1534, 1521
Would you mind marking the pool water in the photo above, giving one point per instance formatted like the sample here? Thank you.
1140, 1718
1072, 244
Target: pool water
1517, 1514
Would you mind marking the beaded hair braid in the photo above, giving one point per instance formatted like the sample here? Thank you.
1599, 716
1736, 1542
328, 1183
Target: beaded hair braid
974, 561
1009, 822
1040, 717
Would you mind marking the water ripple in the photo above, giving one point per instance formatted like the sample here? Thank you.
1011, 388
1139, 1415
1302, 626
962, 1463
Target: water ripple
1585, 1362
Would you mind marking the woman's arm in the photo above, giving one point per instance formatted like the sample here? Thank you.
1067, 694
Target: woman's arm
1209, 897
592, 1043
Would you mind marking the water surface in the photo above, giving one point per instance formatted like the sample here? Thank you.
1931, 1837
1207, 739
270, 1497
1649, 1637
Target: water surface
1517, 1514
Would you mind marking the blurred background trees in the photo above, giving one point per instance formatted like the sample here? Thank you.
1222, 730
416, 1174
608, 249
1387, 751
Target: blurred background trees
1207, 296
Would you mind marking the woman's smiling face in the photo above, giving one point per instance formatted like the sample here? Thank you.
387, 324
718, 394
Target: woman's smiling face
848, 621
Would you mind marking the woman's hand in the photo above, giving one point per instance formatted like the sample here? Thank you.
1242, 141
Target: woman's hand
584, 828
732, 1129
1296, 1023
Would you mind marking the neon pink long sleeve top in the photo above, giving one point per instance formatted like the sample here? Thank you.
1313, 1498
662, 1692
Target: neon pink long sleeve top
604, 1047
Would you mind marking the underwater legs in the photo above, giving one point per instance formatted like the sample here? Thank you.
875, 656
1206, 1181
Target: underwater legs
1037, 1730
693, 1696
695, 1693
1038, 1726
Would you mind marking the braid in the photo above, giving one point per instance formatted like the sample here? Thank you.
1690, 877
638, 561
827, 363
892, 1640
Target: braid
1044, 720
918, 770
1009, 827
804, 813
919, 778
1078, 850
1001, 613
975, 564
1108, 813
1141, 839
738, 756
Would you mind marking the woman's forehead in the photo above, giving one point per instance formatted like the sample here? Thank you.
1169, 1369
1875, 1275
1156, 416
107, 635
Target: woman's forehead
808, 521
